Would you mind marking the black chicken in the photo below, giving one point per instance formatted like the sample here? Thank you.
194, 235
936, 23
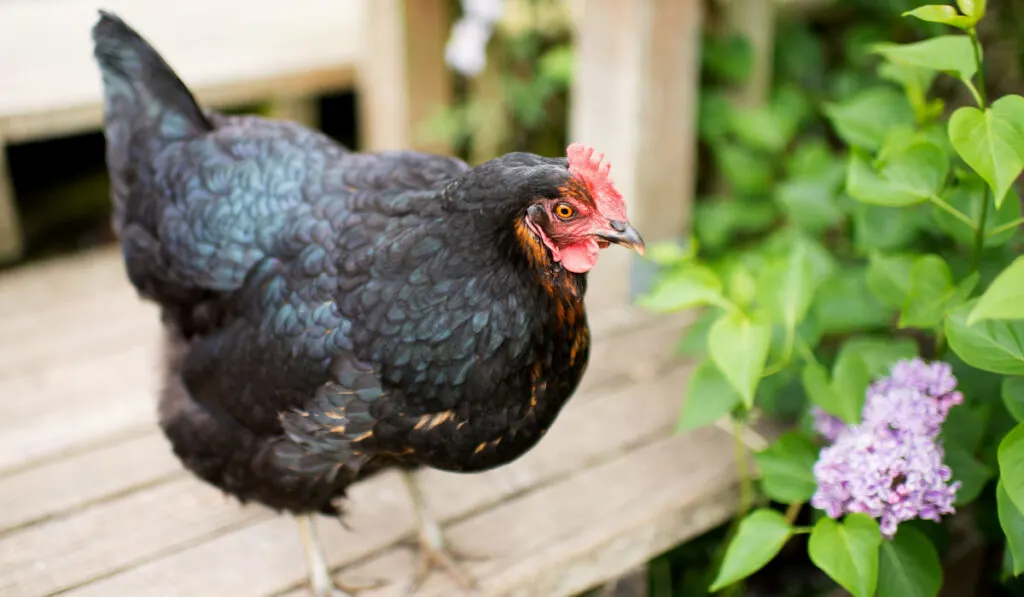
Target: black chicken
330, 313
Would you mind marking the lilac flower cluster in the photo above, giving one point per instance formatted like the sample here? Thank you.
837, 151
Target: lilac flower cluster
890, 465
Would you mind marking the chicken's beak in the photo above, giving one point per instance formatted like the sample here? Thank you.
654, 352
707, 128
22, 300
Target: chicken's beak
622, 233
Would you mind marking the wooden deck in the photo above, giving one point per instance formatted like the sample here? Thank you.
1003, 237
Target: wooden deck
92, 502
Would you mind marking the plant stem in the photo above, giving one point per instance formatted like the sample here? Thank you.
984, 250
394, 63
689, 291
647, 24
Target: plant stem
1004, 227
746, 483
979, 232
956, 213
982, 97
792, 511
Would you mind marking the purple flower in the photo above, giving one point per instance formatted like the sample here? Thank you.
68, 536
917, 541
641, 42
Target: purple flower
828, 426
890, 465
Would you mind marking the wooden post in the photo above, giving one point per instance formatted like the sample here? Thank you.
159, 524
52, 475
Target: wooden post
10, 227
755, 20
635, 99
402, 77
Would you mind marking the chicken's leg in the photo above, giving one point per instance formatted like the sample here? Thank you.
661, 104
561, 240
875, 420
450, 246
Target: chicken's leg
320, 579
433, 550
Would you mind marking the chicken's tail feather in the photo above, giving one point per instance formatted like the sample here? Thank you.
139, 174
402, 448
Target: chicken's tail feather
140, 88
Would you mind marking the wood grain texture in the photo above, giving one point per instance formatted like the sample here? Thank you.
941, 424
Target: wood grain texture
374, 506
634, 98
225, 51
70, 483
403, 79
563, 538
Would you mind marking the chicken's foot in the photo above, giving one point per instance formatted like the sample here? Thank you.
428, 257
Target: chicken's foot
432, 545
320, 580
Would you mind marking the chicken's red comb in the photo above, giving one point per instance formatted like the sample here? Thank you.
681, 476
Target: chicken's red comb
585, 163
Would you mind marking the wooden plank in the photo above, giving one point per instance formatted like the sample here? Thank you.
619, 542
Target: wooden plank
10, 224
87, 117
112, 398
645, 122
71, 483
46, 283
111, 536
403, 78
263, 558
215, 46
564, 538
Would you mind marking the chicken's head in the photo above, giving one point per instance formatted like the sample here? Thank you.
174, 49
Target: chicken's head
588, 214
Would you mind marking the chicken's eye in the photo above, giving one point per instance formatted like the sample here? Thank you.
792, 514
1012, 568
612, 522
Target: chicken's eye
564, 211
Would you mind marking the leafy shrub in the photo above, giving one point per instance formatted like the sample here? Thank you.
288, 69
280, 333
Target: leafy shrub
837, 269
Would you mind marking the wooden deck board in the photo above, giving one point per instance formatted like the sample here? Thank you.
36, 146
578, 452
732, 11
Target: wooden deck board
223, 49
92, 502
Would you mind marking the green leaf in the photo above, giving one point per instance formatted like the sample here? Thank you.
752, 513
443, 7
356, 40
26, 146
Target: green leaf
850, 379
741, 287
759, 537
819, 389
946, 15
811, 204
739, 347
908, 178
1004, 298
709, 398
848, 552
932, 293
972, 474
844, 303
967, 197
786, 287
878, 354
945, 53
671, 253
694, 341
729, 57
889, 278
761, 127
1012, 391
1011, 464
690, 286
865, 118
909, 566
994, 346
717, 221
786, 468
965, 427
972, 8
992, 142
1011, 518
859, 361
886, 228
748, 171
715, 116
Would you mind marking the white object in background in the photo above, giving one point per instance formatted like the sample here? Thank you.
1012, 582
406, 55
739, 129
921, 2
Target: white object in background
466, 51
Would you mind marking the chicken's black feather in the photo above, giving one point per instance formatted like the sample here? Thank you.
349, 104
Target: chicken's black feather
331, 313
